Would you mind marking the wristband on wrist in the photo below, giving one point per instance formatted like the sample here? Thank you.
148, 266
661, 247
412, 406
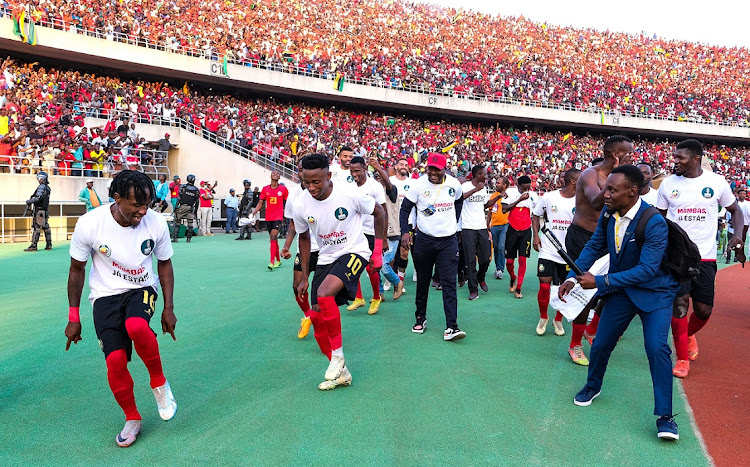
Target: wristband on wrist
73, 314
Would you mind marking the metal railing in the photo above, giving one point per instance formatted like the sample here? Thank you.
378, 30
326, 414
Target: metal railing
63, 215
263, 158
280, 65
152, 162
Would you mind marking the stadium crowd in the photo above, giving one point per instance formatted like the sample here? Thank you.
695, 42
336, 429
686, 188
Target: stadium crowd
443, 50
43, 112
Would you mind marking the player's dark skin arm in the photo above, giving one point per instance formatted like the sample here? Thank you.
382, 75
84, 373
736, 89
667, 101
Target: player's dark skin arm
76, 278
507, 207
535, 225
304, 260
738, 223
493, 199
166, 279
290, 234
381, 227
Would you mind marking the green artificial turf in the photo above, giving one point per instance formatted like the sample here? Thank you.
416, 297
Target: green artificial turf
247, 392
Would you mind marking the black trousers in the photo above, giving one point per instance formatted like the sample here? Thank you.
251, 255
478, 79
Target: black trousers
476, 246
442, 254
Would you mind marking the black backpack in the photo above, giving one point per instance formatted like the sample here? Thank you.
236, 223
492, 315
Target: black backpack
683, 257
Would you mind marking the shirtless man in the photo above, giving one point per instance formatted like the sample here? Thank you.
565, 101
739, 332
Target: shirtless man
618, 150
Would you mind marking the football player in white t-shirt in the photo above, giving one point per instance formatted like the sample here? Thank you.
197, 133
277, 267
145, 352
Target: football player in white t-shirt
334, 213
438, 199
745, 206
556, 210
402, 182
303, 302
368, 186
121, 239
475, 237
691, 198
340, 172
648, 194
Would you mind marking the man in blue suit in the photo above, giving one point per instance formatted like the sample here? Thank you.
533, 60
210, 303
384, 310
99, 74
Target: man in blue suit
635, 285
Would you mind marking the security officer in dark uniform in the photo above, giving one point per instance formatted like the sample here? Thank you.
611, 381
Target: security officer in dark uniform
245, 208
40, 200
187, 207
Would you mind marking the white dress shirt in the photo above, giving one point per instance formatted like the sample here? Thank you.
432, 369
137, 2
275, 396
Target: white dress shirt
622, 223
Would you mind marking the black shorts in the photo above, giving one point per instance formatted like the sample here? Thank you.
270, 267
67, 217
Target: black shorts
703, 287
110, 314
311, 265
273, 225
517, 242
347, 268
575, 240
557, 271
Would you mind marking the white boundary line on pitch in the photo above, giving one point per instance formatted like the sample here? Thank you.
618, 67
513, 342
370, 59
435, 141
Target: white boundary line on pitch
693, 423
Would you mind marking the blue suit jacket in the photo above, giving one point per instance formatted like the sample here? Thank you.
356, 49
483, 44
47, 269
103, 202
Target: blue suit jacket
635, 270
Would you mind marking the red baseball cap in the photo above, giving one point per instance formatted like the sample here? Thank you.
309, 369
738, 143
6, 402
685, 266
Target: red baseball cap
436, 160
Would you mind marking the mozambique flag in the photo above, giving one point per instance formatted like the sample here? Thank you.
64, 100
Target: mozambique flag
450, 146
186, 89
567, 137
224, 67
602, 116
338, 83
18, 24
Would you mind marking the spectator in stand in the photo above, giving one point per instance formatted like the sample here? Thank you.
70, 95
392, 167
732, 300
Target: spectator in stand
89, 196
174, 191
163, 147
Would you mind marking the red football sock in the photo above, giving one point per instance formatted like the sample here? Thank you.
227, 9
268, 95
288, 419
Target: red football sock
321, 333
359, 292
277, 256
303, 303
695, 324
145, 344
121, 383
332, 319
374, 282
593, 325
509, 267
577, 334
273, 247
543, 298
521, 272
679, 334
558, 316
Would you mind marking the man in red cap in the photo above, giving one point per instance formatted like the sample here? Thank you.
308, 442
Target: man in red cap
438, 199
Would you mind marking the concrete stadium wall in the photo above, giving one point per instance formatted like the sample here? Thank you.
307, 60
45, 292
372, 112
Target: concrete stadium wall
15, 187
83, 49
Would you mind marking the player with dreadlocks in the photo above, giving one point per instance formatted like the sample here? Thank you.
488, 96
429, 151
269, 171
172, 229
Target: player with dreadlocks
121, 238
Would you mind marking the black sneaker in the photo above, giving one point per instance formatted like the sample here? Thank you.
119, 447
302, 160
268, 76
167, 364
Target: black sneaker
419, 327
585, 396
31, 248
473, 296
453, 334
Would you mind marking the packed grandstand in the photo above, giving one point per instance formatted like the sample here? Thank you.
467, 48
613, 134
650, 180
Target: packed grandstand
441, 50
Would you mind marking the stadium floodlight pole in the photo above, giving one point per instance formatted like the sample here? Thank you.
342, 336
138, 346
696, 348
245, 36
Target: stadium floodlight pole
561, 250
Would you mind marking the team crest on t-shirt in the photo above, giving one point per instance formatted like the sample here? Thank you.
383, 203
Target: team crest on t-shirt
707, 192
278, 194
311, 220
553, 209
104, 249
426, 193
451, 192
341, 214
147, 247
406, 187
675, 194
349, 179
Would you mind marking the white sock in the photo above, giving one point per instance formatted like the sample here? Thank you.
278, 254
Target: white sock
338, 352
